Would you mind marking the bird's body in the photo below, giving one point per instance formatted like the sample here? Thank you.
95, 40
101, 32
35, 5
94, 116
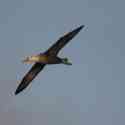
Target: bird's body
43, 58
48, 57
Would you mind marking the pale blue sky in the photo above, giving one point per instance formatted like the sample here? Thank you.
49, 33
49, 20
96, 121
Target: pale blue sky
91, 91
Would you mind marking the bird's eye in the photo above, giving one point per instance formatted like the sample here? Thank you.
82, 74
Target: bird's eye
66, 59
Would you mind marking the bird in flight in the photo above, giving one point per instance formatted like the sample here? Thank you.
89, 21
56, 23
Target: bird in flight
48, 57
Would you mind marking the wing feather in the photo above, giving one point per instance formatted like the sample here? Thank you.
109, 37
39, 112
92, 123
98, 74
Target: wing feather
36, 68
55, 48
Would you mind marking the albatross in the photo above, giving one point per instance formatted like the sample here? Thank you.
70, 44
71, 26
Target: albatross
46, 58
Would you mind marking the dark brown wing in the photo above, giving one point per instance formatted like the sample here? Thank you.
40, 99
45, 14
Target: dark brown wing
36, 68
54, 49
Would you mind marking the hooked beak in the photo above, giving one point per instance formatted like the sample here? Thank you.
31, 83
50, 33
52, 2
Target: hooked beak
66, 61
69, 63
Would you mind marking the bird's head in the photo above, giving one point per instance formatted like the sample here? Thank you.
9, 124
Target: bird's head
66, 61
31, 59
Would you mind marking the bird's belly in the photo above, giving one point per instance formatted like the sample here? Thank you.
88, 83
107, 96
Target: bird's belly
43, 59
49, 60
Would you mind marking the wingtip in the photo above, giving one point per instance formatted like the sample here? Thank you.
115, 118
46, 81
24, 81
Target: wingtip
80, 27
17, 92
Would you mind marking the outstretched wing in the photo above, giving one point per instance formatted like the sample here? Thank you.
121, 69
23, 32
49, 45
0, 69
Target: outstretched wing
36, 68
54, 49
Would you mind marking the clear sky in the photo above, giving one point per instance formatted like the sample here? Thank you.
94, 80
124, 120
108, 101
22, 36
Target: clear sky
91, 91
